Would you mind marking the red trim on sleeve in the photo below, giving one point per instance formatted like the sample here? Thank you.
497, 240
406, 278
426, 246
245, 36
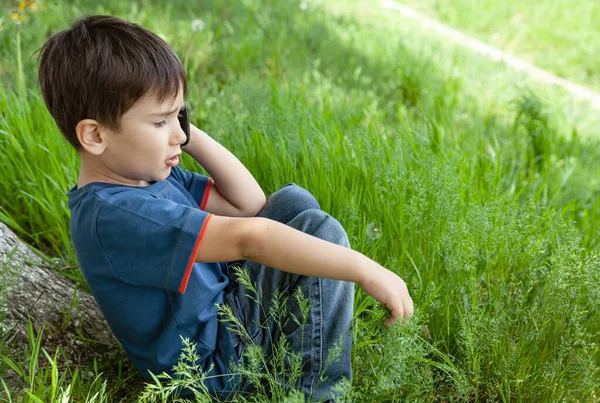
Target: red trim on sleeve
192, 260
206, 192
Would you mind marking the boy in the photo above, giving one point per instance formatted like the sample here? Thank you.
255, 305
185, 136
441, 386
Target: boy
155, 242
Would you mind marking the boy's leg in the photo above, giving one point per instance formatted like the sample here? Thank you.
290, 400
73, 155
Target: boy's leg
331, 302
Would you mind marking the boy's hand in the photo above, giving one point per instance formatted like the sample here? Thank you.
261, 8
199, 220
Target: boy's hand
389, 289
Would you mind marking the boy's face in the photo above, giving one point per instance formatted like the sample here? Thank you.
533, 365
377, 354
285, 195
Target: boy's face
148, 143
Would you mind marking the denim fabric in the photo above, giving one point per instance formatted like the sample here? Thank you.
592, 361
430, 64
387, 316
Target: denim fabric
331, 301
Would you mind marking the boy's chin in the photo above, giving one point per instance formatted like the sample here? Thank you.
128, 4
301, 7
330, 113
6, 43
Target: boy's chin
157, 177
163, 175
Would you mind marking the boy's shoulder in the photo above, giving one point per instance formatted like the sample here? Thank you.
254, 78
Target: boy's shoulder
98, 195
174, 187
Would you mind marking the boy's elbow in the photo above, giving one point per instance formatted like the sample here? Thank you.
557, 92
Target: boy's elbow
254, 208
261, 202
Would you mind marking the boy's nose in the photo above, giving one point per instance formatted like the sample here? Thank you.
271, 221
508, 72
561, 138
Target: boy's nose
179, 136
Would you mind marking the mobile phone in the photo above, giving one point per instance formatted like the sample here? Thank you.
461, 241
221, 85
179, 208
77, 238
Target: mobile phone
184, 121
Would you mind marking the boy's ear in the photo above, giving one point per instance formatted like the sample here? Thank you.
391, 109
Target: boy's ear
90, 137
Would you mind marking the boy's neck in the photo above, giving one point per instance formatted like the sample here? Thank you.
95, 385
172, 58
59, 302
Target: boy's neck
92, 170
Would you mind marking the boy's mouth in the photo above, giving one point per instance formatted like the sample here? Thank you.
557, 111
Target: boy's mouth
173, 161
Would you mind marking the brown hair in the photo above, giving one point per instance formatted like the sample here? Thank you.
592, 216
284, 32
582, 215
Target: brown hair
100, 67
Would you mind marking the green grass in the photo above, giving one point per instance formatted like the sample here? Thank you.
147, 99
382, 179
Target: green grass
557, 35
482, 186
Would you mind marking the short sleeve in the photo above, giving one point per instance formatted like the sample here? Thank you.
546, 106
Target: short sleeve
150, 241
196, 184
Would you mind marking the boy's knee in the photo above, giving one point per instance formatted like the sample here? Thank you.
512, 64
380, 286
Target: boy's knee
294, 199
324, 226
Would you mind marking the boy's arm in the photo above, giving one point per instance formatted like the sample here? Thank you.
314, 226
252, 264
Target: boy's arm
235, 192
277, 245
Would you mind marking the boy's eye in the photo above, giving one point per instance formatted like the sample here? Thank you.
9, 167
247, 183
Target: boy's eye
161, 123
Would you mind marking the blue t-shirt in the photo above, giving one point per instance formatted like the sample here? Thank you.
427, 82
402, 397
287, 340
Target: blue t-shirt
136, 248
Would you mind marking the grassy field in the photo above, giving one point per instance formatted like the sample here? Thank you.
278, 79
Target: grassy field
482, 186
557, 35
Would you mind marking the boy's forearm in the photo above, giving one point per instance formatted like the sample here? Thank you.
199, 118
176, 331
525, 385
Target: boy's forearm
277, 245
230, 176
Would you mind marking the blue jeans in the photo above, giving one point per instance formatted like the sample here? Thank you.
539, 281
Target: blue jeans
329, 321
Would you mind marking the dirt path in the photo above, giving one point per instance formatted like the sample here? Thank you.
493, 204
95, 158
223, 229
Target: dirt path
578, 92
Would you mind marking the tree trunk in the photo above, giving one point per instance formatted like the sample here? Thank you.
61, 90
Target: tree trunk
30, 290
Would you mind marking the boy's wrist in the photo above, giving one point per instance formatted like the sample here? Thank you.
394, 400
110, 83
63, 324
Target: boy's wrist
363, 270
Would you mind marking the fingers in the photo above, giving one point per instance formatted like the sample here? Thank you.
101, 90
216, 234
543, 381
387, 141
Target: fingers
404, 310
409, 308
394, 317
